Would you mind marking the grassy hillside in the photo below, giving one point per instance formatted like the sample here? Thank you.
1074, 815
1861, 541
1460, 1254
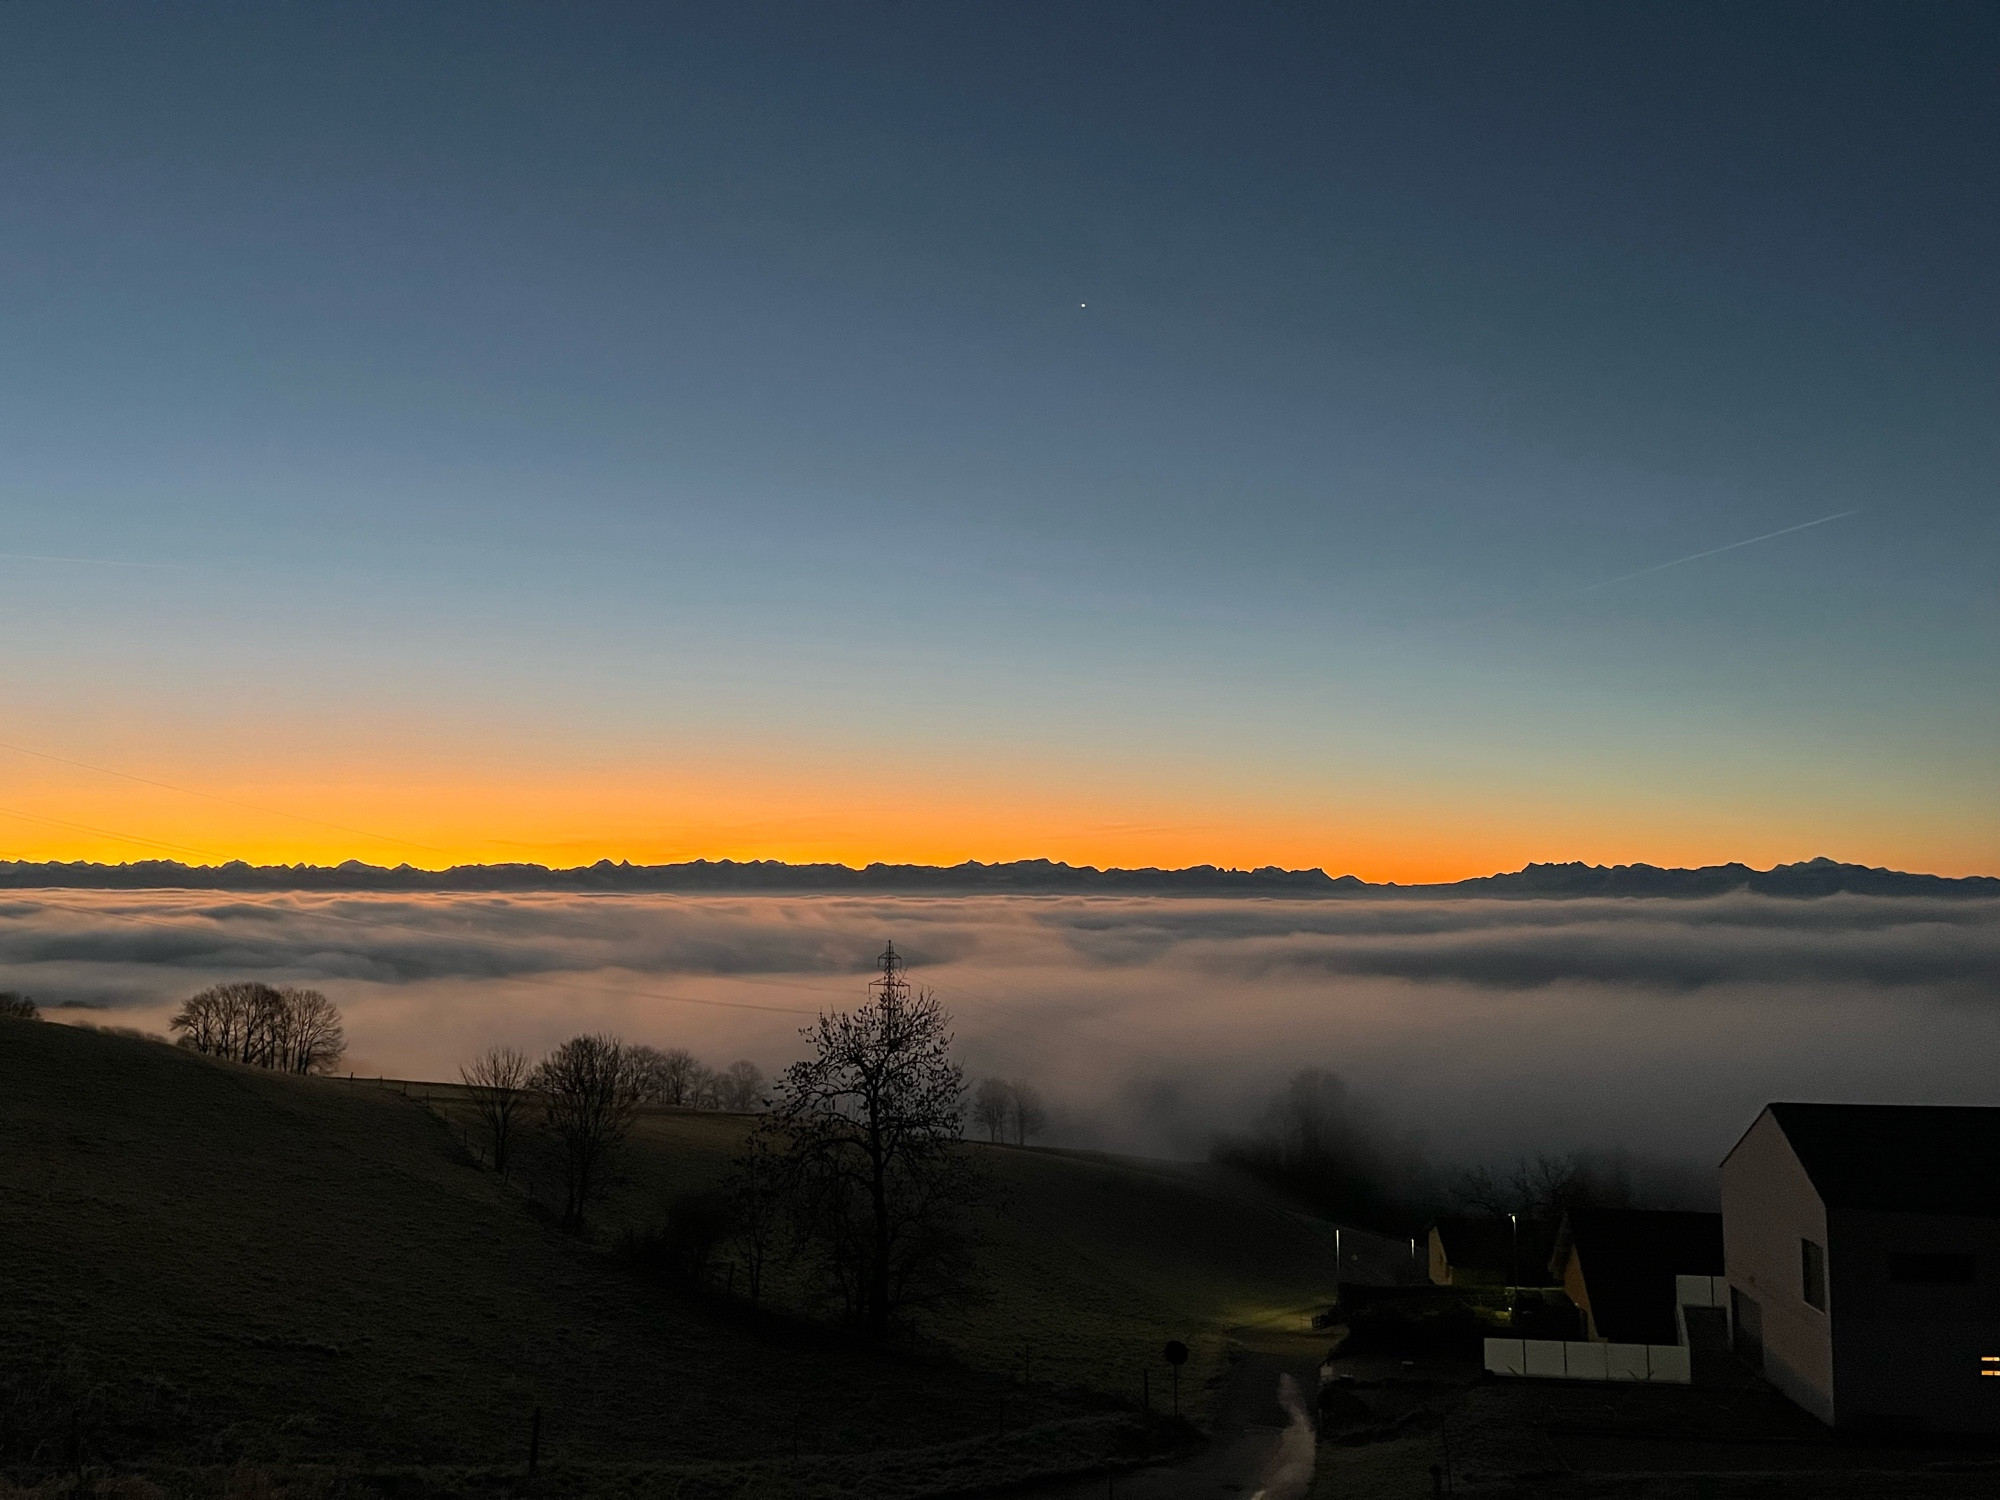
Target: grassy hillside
206, 1263
1089, 1263
210, 1265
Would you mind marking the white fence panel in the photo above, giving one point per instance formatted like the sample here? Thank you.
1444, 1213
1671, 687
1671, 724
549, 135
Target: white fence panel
1625, 1362
1551, 1359
1506, 1357
1545, 1358
1671, 1364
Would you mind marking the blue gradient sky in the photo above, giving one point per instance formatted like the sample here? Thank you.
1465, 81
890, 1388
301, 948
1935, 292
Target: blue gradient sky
666, 430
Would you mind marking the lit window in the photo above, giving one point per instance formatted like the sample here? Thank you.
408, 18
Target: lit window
1989, 1364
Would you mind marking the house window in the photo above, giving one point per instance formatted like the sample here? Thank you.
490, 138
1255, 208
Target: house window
1925, 1268
1989, 1364
1813, 1281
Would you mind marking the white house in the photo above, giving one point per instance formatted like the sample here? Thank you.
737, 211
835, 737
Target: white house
1862, 1251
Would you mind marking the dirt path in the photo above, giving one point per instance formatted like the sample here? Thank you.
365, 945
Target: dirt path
1247, 1455
1248, 1445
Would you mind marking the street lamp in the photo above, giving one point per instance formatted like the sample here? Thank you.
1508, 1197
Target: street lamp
1514, 1288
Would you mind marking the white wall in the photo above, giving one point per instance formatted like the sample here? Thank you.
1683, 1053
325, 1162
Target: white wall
1768, 1206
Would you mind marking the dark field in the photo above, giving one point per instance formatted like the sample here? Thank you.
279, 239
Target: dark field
214, 1272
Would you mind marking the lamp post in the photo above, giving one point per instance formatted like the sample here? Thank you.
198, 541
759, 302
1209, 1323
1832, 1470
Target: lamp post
1514, 1287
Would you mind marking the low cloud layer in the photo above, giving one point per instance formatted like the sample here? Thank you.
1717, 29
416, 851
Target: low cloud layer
1491, 1026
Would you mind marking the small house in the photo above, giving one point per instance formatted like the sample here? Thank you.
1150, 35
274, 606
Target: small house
1489, 1250
1622, 1267
1863, 1251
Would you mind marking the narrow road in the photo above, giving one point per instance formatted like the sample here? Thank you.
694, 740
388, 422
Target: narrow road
1246, 1449
1247, 1455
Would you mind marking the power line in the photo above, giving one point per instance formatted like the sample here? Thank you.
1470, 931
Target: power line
123, 838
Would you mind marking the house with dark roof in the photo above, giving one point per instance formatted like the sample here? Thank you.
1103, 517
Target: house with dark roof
1489, 1250
1621, 1267
1863, 1252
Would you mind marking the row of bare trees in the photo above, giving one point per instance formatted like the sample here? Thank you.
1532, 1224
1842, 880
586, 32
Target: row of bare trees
676, 1076
584, 1094
1009, 1109
854, 1177
290, 1030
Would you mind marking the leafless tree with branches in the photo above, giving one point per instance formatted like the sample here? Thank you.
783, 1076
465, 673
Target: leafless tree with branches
993, 1107
291, 1030
1026, 1114
672, 1076
867, 1134
587, 1090
740, 1087
497, 1080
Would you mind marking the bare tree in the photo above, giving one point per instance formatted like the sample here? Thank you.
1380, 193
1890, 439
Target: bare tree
652, 1073
993, 1107
292, 1030
757, 1187
1027, 1116
498, 1082
740, 1087
223, 1020
704, 1087
867, 1130
669, 1077
1318, 1142
1547, 1187
313, 1038
588, 1093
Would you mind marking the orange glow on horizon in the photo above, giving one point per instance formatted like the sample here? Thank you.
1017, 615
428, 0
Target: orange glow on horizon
739, 809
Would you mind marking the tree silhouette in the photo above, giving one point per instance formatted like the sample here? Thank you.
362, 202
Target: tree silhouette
588, 1090
497, 1080
1025, 1113
292, 1030
993, 1107
866, 1132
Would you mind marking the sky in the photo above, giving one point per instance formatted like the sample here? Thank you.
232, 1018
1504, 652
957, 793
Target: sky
1129, 434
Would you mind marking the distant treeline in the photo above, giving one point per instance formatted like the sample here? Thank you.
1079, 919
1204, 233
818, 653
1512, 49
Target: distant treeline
1815, 877
1338, 1154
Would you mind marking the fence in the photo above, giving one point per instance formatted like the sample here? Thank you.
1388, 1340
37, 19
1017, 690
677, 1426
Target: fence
1553, 1359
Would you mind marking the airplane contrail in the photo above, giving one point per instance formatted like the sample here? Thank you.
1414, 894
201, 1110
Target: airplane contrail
1711, 552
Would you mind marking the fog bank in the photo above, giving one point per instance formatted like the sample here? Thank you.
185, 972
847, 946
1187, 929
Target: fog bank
1491, 1028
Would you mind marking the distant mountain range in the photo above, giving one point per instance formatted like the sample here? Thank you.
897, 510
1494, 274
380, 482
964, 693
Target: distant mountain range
1813, 877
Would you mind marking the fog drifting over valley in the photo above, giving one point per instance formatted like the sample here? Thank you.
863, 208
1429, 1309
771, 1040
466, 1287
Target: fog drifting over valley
1492, 1028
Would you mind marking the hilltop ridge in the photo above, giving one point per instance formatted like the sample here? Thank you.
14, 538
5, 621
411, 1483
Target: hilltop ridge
1812, 877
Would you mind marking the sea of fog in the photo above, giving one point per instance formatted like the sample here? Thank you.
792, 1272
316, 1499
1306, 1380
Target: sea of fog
1493, 1028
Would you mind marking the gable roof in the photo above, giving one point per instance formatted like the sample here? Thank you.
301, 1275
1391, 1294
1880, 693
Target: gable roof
1629, 1258
1487, 1243
1898, 1158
